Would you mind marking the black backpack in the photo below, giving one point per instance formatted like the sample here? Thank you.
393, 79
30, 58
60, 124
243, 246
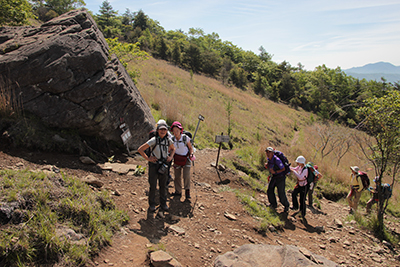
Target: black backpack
184, 136
149, 150
285, 162
188, 133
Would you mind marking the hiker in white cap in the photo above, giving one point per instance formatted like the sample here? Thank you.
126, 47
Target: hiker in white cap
301, 173
355, 189
162, 151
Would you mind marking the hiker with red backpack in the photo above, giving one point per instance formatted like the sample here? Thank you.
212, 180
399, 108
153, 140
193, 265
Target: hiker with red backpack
356, 188
182, 160
278, 168
161, 153
301, 172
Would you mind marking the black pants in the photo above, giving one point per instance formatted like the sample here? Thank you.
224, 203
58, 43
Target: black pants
278, 182
303, 192
154, 176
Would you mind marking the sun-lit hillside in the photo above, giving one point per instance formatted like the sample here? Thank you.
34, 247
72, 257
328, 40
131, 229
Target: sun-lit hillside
173, 94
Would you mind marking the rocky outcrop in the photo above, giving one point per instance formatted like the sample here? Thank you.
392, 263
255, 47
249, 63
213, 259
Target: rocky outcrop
63, 73
269, 255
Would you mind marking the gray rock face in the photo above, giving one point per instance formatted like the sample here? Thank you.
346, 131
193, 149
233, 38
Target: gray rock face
63, 73
269, 255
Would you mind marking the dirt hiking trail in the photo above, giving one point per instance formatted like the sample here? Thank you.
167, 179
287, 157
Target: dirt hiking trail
214, 221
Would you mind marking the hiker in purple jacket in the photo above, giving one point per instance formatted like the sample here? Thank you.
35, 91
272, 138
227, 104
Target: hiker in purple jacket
276, 168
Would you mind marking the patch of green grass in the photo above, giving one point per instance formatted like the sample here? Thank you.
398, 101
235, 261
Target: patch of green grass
371, 223
50, 202
316, 201
331, 189
393, 208
360, 219
161, 246
266, 216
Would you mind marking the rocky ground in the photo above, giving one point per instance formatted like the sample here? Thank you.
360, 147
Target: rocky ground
214, 222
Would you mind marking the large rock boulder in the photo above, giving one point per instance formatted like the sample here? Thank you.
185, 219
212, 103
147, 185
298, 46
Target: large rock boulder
63, 73
268, 255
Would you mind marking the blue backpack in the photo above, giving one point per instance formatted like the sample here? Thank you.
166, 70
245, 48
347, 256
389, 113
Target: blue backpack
386, 191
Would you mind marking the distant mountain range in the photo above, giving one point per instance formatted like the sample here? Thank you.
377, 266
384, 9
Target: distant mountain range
375, 71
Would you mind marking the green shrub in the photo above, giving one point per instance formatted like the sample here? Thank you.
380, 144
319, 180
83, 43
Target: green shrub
49, 202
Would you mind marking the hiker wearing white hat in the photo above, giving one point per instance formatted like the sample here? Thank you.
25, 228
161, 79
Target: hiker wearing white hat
355, 189
162, 151
301, 173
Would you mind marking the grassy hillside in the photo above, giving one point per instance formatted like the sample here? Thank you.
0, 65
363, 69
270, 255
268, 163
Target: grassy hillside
175, 94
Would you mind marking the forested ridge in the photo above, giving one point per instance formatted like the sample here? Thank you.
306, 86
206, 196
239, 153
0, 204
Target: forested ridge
330, 93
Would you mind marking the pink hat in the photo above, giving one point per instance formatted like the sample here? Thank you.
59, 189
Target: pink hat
177, 124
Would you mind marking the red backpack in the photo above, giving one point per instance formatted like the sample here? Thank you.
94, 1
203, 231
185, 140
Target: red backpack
364, 179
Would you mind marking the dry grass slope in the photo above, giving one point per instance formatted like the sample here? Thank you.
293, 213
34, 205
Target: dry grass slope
173, 94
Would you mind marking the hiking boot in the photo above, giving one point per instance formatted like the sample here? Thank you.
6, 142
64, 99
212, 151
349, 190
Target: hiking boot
187, 194
175, 194
152, 208
164, 207
286, 209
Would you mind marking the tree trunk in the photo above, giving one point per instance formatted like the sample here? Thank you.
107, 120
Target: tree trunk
381, 211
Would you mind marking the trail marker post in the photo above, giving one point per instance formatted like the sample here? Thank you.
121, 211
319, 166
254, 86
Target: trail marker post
221, 139
126, 134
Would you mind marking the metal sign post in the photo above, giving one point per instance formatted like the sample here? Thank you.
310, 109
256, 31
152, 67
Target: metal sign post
221, 139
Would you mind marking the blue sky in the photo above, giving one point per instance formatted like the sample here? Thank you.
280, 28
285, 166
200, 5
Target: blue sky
338, 33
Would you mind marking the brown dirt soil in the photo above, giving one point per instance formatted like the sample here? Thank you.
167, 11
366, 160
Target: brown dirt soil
207, 231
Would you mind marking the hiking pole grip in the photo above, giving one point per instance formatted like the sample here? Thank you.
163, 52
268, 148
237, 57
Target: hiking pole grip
201, 118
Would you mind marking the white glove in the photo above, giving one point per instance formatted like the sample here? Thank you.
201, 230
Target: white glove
311, 185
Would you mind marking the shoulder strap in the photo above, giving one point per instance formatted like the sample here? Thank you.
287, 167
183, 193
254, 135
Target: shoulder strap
184, 137
154, 147
158, 142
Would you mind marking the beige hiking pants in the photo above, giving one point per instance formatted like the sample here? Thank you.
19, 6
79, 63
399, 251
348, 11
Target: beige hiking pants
186, 178
352, 198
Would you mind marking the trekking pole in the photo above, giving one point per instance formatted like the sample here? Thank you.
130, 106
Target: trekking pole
201, 118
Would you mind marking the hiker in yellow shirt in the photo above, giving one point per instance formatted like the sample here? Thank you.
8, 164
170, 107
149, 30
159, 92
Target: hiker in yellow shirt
355, 189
